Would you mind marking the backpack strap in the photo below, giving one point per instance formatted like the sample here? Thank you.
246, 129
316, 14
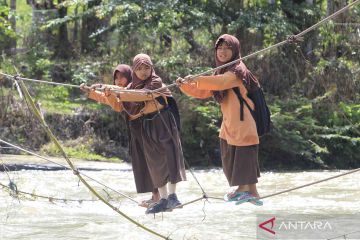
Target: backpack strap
242, 101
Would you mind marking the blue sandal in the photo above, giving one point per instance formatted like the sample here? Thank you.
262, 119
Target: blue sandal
239, 196
256, 202
227, 197
251, 199
245, 197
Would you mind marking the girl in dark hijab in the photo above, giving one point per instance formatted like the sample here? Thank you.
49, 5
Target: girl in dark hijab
122, 77
238, 135
159, 133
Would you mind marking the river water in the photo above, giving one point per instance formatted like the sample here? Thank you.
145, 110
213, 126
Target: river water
40, 219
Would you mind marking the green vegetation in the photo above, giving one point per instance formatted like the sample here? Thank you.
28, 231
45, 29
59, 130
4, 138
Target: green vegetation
80, 151
312, 87
58, 99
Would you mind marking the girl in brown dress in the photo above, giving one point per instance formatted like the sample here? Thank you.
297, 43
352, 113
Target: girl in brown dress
122, 77
238, 137
153, 124
159, 131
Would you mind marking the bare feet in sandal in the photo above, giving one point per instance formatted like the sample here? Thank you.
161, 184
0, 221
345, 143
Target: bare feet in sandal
149, 202
231, 194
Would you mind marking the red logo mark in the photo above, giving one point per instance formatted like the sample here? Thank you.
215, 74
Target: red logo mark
272, 221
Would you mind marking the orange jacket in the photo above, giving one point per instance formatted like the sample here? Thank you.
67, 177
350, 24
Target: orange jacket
115, 101
234, 131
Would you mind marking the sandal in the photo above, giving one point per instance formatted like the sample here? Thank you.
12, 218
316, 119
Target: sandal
256, 202
231, 196
244, 197
237, 196
160, 206
147, 203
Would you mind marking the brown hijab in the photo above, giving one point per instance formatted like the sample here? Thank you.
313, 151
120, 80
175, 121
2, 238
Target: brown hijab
151, 83
124, 70
238, 68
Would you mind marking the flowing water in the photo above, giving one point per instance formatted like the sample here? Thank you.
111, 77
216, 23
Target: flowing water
41, 219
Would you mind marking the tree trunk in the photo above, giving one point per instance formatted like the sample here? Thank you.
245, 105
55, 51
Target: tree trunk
309, 46
335, 5
63, 47
332, 7
90, 25
41, 13
13, 23
166, 40
237, 4
76, 29
195, 46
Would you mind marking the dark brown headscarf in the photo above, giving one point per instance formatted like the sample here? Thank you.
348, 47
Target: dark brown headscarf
124, 70
239, 68
151, 83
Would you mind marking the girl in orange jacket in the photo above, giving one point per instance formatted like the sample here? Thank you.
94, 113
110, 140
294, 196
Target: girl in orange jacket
238, 135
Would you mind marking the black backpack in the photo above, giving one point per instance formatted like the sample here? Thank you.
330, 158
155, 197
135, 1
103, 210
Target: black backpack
172, 107
261, 114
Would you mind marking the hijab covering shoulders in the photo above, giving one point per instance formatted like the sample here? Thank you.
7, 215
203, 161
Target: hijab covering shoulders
151, 83
238, 68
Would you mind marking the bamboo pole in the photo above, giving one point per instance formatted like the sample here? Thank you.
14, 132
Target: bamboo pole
38, 115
